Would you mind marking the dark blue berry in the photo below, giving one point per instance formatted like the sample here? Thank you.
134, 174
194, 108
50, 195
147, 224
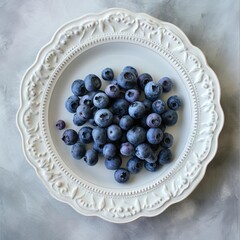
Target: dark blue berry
143, 80
136, 110
134, 165
120, 107
126, 122
166, 84
70, 137
72, 104
107, 74
154, 120
60, 125
103, 118
174, 102
100, 100
165, 156
121, 175
112, 90
144, 151
78, 150
151, 167
169, 117
127, 149
113, 163
152, 91
92, 82
167, 140
78, 88
86, 100
130, 69
91, 157
136, 135
78, 121
132, 95
127, 80
109, 150
154, 135
85, 135
116, 119
99, 135
84, 112
114, 132
159, 106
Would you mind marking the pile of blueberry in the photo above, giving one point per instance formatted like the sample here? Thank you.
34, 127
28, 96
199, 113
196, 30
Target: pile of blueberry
120, 121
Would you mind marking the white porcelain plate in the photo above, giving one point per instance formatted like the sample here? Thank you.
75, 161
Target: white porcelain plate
116, 38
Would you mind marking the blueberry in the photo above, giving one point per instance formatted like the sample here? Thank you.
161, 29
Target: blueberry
127, 149
121, 175
154, 120
78, 150
134, 165
152, 91
136, 110
166, 84
112, 90
159, 106
114, 132
92, 82
113, 163
99, 135
60, 125
70, 137
154, 135
136, 135
109, 150
103, 117
169, 117
148, 105
98, 147
167, 140
130, 69
85, 135
72, 104
127, 80
120, 107
151, 167
78, 88
107, 74
91, 157
78, 121
84, 112
174, 102
165, 156
126, 122
143, 80
144, 151
86, 100
100, 100
132, 95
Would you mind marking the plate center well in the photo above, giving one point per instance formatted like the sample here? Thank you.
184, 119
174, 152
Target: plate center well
116, 55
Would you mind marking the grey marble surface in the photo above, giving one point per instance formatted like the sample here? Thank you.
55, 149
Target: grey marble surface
27, 211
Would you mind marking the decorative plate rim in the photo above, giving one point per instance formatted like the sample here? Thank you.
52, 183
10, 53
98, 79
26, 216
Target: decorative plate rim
116, 209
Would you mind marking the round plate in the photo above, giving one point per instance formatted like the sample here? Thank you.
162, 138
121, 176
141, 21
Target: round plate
116, 38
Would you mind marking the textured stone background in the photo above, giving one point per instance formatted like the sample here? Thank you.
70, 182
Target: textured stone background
27, 211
